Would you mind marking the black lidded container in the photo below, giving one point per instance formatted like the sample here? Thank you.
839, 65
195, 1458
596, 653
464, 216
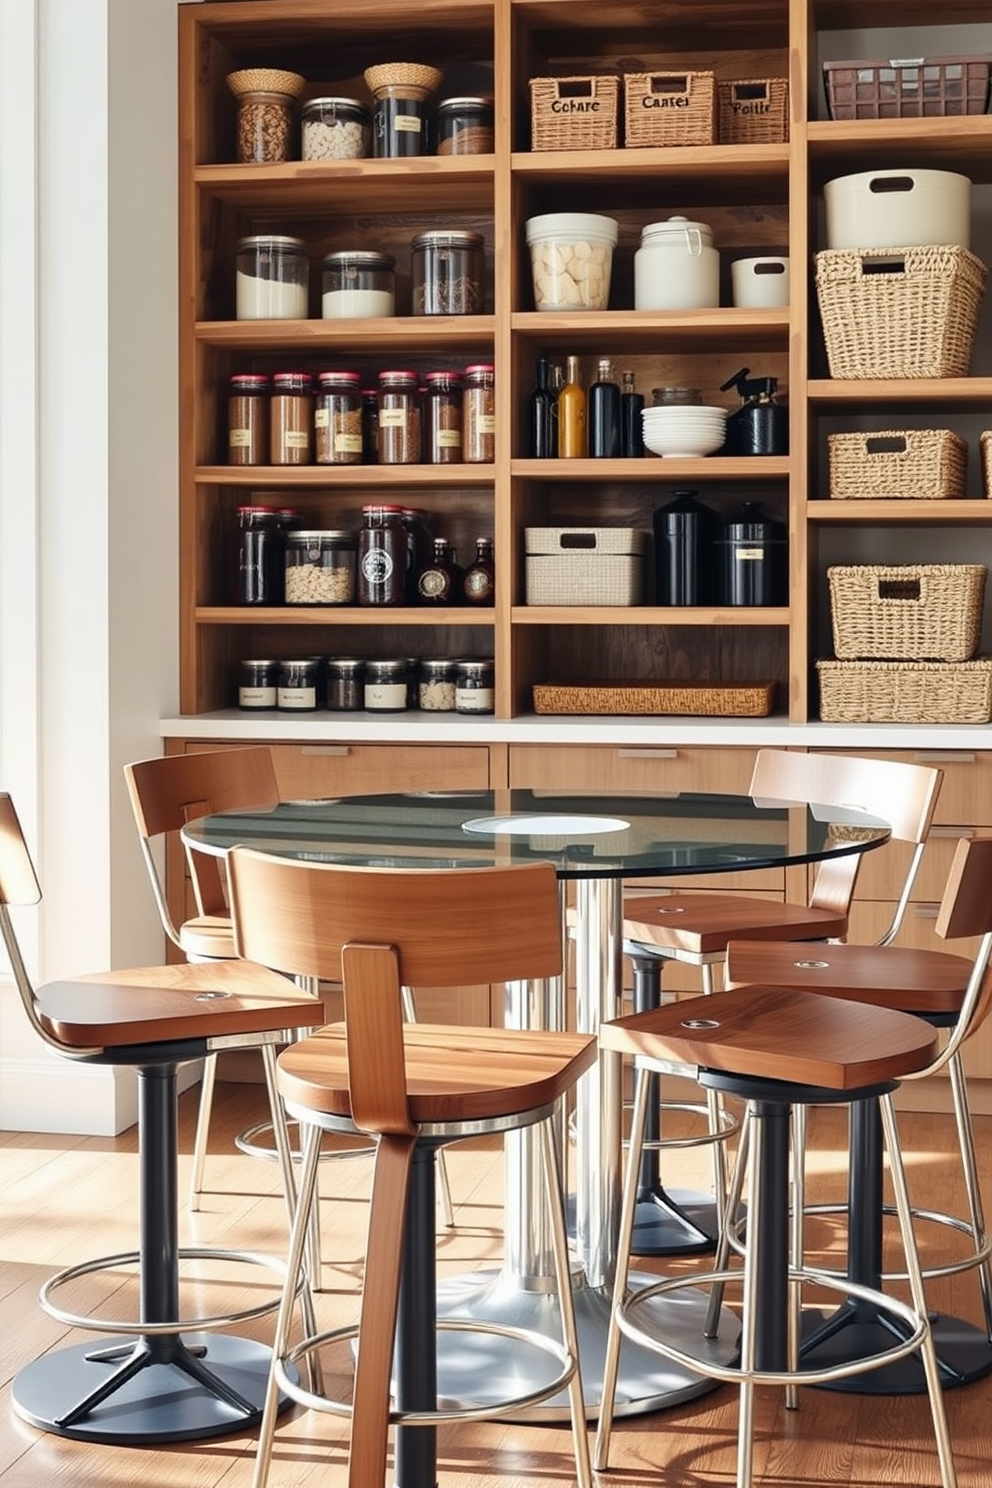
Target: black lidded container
684, 532
752, 561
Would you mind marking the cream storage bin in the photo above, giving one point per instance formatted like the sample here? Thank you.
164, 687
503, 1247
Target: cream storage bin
585, 565
898, 209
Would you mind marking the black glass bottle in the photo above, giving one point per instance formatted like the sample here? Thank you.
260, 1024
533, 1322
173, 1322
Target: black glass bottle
543, 440
631, 424
603, 414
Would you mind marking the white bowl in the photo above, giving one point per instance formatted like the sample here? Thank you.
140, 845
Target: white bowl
683, 444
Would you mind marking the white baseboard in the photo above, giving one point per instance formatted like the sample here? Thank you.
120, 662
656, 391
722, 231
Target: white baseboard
49, 1094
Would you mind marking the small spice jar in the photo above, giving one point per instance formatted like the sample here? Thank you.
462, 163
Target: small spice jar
266, 96
436, 686
248, 419
358, 283
337, 419
345, 683
386, 685
382, 556
399, 419
474, 691
320, 568
447, 272
400, 122
464, 126
257, 685
443, 419
479, 414
296, 689
291, 419
261, 546
272, 275
335, 129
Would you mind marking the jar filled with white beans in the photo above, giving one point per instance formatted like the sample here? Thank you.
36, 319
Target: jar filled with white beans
335, 129
320, 568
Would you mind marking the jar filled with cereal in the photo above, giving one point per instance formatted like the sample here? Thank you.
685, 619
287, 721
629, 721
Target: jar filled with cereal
266, 98
320, 568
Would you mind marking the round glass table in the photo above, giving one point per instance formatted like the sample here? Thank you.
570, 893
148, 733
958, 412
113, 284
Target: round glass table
596, 842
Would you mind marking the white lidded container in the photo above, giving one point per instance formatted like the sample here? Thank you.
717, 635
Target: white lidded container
676, 267
760, 283
571, 255
898, 209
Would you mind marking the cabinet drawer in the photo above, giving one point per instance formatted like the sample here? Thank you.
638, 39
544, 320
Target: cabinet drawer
308, 771
966, 791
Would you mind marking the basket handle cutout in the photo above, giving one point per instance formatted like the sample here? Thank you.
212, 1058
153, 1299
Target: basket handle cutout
577, 540
881, 184
742, 91
576, 87
670, 84
769, 268
886, 444
899, 589
883, 266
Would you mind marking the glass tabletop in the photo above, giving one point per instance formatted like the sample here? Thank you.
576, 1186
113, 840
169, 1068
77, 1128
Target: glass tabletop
585, 835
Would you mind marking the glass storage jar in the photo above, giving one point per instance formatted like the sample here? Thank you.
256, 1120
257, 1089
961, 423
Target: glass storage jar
248, 419
345, 683
291, 419
474, 691
370, 426
443, 419
337, 419
447, 270
261, 546
400, 116
266, 96
465, 126
382, 556
436, 686
399, 422
358, 284
479, 414
257, 684
296, 690
386, 685
272, 276
335, 129
320, 568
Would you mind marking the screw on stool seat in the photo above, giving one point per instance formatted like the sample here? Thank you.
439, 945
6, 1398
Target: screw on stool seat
776, 1049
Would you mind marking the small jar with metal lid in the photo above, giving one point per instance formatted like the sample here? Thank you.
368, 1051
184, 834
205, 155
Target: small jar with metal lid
297, 685
474, 690
479, 414
257, 685
436, 686
465, 126
272, 277
382, 556
399, 422
320, 568
258, 578
337, 419
447, 269
248, 419
345, 683
291, 419
386, 685
443, 419
335, 129
358, 284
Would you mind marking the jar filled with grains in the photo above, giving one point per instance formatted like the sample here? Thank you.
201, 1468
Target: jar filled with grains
291, 419
272, 275
443, 419
474, 691
248, 419
337, 419
335, 129
266, 97
358, 283
296, 690
447, 273
399, 419
479, 414
345, 683
436, 691
465, 126
257, 684
386, 685
320, 568
382, 556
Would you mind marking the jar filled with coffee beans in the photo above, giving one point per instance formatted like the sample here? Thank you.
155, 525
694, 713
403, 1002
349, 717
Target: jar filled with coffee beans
345, 683
465, 126
337, 419
447, 272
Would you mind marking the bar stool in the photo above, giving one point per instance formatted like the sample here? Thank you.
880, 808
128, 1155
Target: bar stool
413, 1087
153, 1384
776, 1049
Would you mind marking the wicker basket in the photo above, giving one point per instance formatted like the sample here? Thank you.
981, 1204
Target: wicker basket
669, 108
899, 312
753, 111
265, 80
924, 87
985, 441
698, 699
912, 464
906, 691
909, 612
574, 113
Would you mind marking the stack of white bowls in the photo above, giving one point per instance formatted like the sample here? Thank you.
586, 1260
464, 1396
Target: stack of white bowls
684, 432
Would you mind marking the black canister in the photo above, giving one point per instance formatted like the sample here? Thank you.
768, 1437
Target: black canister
752, 559
760, 426
684, 531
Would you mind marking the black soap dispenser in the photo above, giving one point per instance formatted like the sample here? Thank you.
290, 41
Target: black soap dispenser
760, 426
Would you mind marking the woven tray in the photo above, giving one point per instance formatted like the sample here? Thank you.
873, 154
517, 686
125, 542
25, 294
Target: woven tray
753, 111
914, 464
906, 691
908, 612
669, 108
574, 113
699, 699
890, 312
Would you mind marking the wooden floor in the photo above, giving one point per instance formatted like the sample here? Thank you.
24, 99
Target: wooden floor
68, 1199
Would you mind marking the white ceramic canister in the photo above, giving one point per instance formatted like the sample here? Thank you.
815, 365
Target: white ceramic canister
760, 283
676, 267
898, 209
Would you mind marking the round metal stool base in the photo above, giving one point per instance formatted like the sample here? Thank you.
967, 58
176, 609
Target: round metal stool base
964, 1353
159, 1403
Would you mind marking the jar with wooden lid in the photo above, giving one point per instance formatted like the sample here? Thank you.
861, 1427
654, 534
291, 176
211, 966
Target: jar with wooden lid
479, 414
337, 419
291, 419
401, 117
266, 99
447, 269
464, 126
248, 419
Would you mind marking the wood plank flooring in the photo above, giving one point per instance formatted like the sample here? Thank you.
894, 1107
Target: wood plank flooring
68, 1199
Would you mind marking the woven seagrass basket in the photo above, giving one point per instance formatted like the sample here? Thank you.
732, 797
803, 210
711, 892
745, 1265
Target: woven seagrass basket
574, 113
753, 111
985, 441
915, 464
906, 691
909, 612
669, 108
699, 699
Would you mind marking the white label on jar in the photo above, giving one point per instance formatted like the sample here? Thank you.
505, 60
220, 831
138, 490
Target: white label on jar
474, 699
407, 124
321, 418
296, 438
239, 438
297, 697
256, 697
750, 553
392, 418
385, 695
377, 565
486, 423
348, 444
448, 439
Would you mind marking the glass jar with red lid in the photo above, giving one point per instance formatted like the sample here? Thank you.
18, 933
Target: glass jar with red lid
258, 577
382, 556
399, 418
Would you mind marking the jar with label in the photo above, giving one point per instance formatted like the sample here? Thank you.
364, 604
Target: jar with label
447, 270
272, 277
479, 579
474, 691
261, 546
400, 123
382, 556
297, 685
386, 685
345, 683
291, 419
337, 419
436, 686
266, 97
443, 419
399, 419
248, 419
479, 414
335, 129
257, 685
438, 580
358, 284
465, 126
320, 568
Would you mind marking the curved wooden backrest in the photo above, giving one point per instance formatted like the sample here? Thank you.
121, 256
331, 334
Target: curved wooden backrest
448, 927
901, 794
18, 882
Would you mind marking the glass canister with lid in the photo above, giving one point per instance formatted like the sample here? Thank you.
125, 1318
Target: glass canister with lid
248, 419
262, 533
257, 684
479, 414
382, 556
345, 683
291, 419
358, 283
447, 271
335, 129
465, 126
337, 419
266, 97
296, 688
474, 688
436, 686
399, 422
272, 276
320, 568
386, 685
443, 419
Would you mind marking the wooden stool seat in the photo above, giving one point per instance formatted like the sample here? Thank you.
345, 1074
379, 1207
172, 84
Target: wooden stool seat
207, 938
916, 981
703, 924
